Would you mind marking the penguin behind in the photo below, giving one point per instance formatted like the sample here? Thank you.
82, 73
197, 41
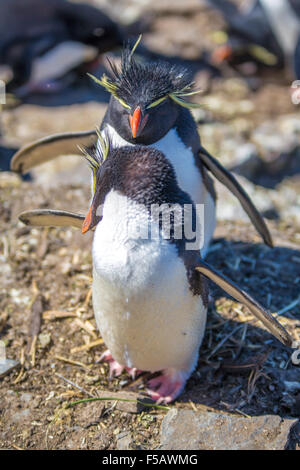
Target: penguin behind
40, 29
267, 31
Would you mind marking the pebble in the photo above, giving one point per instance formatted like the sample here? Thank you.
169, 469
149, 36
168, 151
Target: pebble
123, 440
44, 339
7, 365
196, 430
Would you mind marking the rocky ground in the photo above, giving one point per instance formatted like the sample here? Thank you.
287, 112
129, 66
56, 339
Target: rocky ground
245, 392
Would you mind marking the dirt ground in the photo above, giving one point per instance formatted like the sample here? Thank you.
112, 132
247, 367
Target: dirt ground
47, 323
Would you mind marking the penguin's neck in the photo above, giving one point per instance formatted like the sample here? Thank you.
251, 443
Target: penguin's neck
179, 146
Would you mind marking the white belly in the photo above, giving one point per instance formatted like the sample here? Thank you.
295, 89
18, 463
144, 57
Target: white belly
188, 176
144, 309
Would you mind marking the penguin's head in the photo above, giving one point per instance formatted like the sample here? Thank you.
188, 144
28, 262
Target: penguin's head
145, 98
237, 50
140, 173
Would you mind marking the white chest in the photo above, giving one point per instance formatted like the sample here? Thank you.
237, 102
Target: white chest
144, 308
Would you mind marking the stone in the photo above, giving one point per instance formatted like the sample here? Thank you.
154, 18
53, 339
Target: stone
21, 416
44, 339
123, 440
26, 397
190, 430
7, 365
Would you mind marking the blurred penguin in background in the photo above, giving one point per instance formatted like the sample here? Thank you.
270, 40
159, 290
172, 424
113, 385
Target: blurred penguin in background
264, 31
42, 40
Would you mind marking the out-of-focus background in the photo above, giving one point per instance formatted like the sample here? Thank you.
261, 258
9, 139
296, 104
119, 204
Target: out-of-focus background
248, 119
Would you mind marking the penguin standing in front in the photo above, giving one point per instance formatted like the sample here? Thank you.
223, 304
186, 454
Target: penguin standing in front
149, 106
265, 30
150, 291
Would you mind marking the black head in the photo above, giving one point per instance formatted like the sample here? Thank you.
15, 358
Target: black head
146, 98
142, 174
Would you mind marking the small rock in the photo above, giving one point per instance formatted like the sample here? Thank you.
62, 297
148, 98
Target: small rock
44, 339
18, 297
92, 379
7, 365
123, 440
21, 416
189, 430
26, 397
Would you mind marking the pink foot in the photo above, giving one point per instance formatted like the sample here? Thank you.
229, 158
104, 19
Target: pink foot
167, 386
116, 369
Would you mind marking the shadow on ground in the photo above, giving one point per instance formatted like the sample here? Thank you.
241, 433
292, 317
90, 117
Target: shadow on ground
250, 373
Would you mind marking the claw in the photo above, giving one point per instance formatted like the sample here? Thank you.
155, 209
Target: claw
106, 356
166, 387
133, 372
116, 369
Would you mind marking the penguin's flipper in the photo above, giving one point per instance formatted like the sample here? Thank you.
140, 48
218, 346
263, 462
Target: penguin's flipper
50, 147
226, 178
51, 218
239, 294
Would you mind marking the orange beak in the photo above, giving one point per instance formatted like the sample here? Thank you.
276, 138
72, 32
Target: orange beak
87, 221
221, 54
135, 122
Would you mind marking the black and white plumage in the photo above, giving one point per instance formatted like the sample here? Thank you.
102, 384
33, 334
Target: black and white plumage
266, 30
150, 293
165, 122
149, 105
34, 29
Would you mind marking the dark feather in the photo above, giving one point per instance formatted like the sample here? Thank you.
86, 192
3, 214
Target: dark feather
150, 81
98, 152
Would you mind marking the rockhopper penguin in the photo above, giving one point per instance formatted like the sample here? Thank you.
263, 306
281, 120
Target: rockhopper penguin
33, 33
149, 106
265, 30
149, 281
149, 292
